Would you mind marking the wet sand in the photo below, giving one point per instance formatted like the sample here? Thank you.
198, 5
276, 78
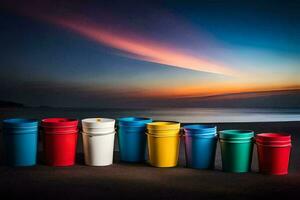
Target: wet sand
140, 181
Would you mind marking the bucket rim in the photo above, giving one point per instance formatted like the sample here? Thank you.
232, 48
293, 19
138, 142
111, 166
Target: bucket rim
201, 136
165, 132
275, 145
60, 132
103, 128
171, 135
273, 136
236, 141
199, 127
98, 133
133, 121
98, 122
19, 122
59, 121
163, 125
272, 142
236, 133
130, 126
200, 133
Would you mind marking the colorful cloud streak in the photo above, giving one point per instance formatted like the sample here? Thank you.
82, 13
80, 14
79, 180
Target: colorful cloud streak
145, 50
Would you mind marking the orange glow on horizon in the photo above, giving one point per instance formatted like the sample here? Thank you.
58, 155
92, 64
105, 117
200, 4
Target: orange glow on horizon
211, 90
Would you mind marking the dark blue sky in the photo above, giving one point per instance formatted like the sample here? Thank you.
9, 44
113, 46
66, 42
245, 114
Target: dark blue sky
115, 53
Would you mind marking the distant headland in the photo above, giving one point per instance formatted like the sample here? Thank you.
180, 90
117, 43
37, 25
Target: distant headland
10, 104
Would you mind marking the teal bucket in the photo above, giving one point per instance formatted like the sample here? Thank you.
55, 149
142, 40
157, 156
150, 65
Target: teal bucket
236, 150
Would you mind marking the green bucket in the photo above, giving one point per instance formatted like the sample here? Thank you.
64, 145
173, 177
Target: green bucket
236, 134
236, 150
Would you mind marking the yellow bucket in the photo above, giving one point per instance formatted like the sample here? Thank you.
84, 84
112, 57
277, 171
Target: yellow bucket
163, 150
163, 126
164, 132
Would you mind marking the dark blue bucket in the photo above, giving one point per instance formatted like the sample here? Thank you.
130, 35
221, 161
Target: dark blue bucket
200, 151
200, 129
21, 149
200, 146
132, 138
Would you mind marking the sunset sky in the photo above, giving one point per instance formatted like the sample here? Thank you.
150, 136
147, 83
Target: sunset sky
107, 53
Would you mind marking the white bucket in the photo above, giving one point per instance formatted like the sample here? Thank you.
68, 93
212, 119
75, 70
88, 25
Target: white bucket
98, 123
98, 130
98, 149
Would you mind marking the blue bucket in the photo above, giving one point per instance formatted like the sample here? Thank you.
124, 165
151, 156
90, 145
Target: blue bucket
200, 146
21, 149
20, 123
131, 128
200, 129
133, 121
20, 141
132, 138
200, 151
15, 131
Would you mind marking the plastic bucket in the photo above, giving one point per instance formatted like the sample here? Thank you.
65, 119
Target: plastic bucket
132, 145
98, 130
98, 123
133, 121
59, 122
273, 153
164, 132
20, 123
200, 129
60, 149
273, 138
199, 133
98, 149
236, 134
210, 135
61, 132
236, 155
132, 128
163, 150
200, 151
13, 131
132, 138
21, 149
162, 126
59, 129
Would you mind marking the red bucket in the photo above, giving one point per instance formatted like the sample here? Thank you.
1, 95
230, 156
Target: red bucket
60, 130
273, 137
60, 149
273, 152
59, 122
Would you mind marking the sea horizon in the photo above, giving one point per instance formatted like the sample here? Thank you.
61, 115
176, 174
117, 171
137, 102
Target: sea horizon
183, 115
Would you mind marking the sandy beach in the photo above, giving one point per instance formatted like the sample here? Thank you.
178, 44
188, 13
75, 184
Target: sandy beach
137, 181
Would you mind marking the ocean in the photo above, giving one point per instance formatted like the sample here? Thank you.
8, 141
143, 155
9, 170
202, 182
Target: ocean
183, 115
